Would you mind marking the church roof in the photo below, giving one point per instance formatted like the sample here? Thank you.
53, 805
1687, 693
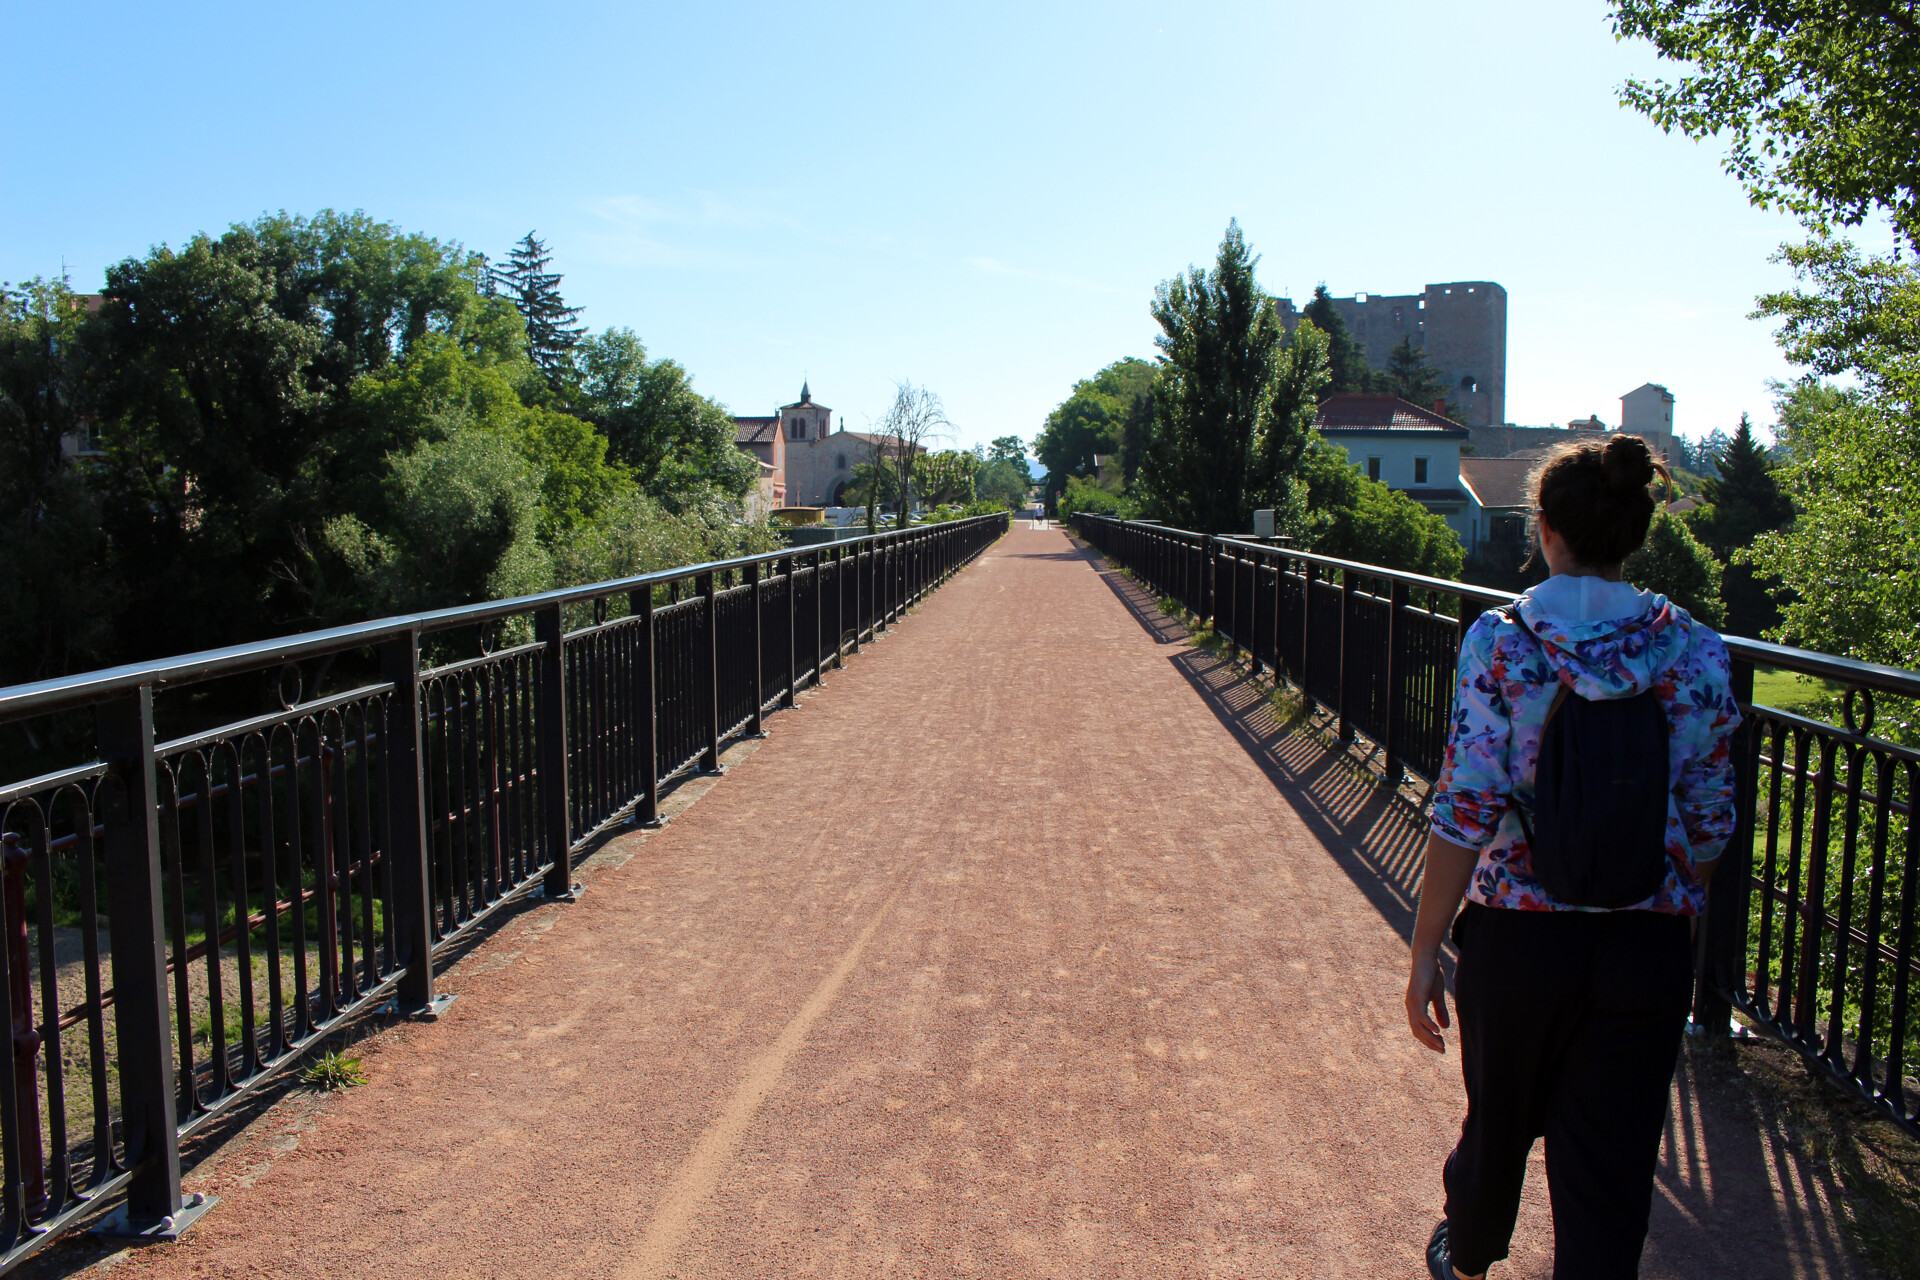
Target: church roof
806, 401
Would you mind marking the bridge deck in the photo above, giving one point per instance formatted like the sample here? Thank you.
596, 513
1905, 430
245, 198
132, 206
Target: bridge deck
1030, 946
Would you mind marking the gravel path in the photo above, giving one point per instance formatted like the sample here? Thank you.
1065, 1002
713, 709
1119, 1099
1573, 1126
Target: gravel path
1028, 947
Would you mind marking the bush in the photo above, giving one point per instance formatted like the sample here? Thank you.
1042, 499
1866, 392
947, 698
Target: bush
1083, 493
1673, 562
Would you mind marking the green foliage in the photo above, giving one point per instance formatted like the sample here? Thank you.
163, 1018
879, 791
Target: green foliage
1091, 420
1409, 376
1358, 519
1745, 501
534, 291
1214, 439
1672, 562
53, 594
1347, 366
677, 442
461, 523
1851, 557
945, 478
224, 405
333, 1071
1002, 482
1820, 99
1084, 493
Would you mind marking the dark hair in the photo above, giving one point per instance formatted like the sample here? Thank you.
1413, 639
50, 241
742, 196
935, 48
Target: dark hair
1595, 496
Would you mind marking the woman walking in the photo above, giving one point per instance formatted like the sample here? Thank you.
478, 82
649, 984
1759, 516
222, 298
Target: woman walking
1587, 791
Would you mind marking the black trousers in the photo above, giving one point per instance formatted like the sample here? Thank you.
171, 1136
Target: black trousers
1569, 1026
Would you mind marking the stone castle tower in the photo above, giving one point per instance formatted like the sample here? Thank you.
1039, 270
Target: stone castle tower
1462, 327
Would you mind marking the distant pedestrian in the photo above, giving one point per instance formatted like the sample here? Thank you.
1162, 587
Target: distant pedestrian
1586, 793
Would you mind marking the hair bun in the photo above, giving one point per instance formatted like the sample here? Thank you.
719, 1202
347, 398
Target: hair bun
1627, 464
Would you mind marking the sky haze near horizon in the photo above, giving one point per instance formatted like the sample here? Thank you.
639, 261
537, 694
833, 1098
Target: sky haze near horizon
981, 201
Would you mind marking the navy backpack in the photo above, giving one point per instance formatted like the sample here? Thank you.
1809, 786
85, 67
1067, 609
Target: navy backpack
1599, 829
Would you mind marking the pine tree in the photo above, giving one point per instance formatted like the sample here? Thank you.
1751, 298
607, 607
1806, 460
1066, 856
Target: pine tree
1409, 376
1745, 502
551, 332
1746, 498
1349, 362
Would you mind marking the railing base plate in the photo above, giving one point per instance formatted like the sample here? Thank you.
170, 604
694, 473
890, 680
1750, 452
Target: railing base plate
572, 894
428, 1012
119, 1225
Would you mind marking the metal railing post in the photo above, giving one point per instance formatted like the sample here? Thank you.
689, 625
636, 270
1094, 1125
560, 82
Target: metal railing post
1306, 629
1230, 558
819, 619
140, 1008
790, 565
640, 604
710, 672
839, 607
1396, 677
756, 724
556, 808
411, 849
1346, 665
1721, 967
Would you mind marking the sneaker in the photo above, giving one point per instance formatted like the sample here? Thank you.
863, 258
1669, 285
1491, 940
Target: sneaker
1439, 1255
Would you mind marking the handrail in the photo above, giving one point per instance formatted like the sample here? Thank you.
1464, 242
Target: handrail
43, 697
1763, 653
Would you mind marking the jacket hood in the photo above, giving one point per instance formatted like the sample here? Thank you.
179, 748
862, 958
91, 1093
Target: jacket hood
1605, 639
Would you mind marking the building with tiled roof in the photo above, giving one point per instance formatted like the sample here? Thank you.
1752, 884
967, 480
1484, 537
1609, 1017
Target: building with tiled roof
806, 462
1405, 447
1500, 493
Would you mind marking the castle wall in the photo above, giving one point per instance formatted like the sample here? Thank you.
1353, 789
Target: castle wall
1461, 326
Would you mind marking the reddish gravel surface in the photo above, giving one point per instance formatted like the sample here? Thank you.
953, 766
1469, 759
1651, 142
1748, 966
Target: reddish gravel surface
1028, 947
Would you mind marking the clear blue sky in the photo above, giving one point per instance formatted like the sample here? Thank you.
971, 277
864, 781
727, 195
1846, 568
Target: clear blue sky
979, 198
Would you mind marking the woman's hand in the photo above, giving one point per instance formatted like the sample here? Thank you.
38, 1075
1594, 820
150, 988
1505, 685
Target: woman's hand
1443, 882
1427, 990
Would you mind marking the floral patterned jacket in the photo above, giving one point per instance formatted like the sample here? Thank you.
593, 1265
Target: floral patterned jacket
1605, 640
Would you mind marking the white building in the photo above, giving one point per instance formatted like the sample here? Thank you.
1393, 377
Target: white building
1647, 412
1413, 450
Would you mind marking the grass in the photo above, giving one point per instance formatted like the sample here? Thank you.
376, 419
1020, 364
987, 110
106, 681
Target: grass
333, 1071
1786, 691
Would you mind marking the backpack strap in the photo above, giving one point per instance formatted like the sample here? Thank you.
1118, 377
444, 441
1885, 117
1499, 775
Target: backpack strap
1511, 612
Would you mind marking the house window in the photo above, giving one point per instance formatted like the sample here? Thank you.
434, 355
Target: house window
1373, 468
840, 462
1419, 470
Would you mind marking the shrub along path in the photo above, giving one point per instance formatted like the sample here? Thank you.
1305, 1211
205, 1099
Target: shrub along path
1028, 947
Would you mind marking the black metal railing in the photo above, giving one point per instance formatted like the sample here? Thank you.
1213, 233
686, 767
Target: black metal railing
228, 897
1811, 918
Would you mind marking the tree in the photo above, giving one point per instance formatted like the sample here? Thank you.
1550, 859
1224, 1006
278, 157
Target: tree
1355, 518
1821, 98
677, 442
1003, 476
1091, 420
1672, 562
946, 477
226, 376
1409, 376
53, 594
552, 334
915, 417
1220, 336
1346, 359
1745, 501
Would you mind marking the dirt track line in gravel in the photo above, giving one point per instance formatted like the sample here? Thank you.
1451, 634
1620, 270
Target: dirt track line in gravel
692, 1187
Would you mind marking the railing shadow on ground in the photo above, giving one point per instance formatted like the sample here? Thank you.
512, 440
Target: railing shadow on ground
1372, 833
1737, 1192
